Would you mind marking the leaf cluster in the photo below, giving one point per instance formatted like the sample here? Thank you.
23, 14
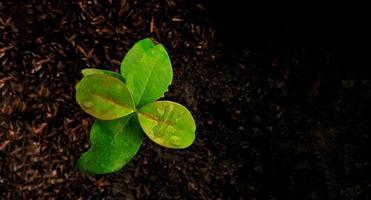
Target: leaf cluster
126, 107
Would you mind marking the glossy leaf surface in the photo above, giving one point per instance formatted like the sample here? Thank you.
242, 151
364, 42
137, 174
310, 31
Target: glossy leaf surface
91, 71
104, 97
147, 71
113, 145
168, 124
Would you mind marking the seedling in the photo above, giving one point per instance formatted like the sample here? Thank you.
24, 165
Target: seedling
125, 106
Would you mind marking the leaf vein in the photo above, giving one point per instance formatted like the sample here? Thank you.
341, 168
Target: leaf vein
112, 101
147, 80
154, 118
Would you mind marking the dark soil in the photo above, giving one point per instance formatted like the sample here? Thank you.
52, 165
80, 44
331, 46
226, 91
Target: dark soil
280, 103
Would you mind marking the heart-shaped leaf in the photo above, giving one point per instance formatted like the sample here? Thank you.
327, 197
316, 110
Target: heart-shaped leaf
91, 71
147, 71
113, 145
168, 124
104, 97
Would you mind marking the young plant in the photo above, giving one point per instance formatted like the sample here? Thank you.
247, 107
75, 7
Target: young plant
125, 106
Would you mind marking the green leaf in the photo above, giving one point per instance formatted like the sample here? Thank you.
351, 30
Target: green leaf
91, 71
168, 124
113, 144
147, 71
104, 97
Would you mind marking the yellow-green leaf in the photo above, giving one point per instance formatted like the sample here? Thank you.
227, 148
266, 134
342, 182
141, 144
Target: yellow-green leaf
113, 144
104, 97
168, 124
91, 71
147, 71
